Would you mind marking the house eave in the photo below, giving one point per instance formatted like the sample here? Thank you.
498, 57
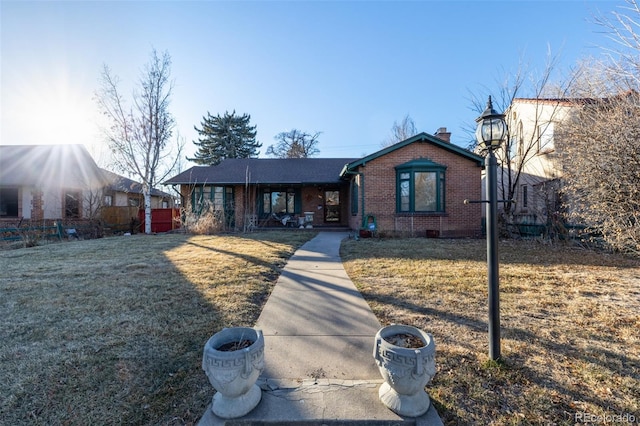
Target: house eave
420, 137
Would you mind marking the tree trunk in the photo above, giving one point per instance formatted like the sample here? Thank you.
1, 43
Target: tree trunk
147, 209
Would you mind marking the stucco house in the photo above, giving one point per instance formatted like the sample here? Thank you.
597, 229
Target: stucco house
41, 182
534, 124
416, 186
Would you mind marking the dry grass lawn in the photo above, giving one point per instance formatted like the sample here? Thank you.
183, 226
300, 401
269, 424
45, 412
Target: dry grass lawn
570, 326
111, 331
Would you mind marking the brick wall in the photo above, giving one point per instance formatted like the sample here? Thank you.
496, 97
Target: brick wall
37, 211
462, 182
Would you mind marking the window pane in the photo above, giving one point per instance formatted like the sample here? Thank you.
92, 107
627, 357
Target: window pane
8, 202
426, 198
404, 196
218, 198
266, 202
197, 199
291, 202
545, 132
354, 197
443, 198
278, 202
72, 202
229, 199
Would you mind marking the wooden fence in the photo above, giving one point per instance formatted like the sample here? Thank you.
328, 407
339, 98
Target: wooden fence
131, 219
120, 219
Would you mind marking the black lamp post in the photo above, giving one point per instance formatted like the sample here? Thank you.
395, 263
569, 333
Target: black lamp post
490, 133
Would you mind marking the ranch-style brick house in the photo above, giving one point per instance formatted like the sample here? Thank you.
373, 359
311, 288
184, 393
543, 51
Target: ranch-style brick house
416, 186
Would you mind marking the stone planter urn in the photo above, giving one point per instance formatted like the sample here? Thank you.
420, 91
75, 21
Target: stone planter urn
405, 356
233, 359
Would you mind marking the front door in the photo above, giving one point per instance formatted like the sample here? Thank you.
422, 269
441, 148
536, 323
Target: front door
332, 206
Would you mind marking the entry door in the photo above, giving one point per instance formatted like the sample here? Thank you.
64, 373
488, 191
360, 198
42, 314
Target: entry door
332, 206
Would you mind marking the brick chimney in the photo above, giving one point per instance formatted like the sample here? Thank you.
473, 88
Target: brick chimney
442, 134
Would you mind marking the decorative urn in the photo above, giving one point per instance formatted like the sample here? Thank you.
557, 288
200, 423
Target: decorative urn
233, 359
405, 356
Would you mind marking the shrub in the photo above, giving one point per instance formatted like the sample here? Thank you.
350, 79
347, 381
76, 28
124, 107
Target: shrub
208, 221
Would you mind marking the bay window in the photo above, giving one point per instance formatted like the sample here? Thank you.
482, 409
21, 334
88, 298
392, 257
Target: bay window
420, 187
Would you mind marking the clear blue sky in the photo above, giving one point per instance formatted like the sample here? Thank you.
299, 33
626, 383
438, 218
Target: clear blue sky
346, 68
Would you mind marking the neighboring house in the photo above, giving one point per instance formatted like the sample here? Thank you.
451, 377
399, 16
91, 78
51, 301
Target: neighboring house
533, 127
124, 192
122, 206
416, 186
40, 182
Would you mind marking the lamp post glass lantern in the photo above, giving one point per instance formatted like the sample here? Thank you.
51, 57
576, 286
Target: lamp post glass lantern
491, 128
490, 133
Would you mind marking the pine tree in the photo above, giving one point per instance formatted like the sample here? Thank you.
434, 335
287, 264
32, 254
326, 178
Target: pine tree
229, 136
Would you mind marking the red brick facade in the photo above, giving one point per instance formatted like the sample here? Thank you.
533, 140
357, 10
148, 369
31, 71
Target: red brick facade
462, 181
368, 187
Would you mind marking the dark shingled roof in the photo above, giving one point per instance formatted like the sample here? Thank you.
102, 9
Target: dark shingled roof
265, 171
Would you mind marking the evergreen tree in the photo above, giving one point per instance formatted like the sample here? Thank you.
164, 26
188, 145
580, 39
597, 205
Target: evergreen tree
229, 136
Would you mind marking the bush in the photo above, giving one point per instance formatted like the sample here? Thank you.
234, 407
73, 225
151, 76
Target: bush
208, 221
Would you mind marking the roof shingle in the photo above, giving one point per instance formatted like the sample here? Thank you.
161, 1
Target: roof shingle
235, 171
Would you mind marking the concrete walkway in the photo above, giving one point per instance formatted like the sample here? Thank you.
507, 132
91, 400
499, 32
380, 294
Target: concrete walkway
319, 334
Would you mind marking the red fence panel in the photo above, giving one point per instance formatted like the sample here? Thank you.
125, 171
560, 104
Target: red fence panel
162, 220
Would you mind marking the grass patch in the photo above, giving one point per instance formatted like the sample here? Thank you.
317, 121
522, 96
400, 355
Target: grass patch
111, 331
569, 317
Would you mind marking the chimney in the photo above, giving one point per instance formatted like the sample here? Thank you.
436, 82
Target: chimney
442, 134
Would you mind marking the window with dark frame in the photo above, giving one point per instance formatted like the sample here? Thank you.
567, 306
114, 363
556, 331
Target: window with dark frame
72, 204
220, 197
278, 202
354, 197
525, 196
8, 202
420, 187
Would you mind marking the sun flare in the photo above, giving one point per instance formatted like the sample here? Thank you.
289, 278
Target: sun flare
65, 118
53, 111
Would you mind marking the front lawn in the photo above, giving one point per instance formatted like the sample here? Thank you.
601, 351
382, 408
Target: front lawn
111, 331
570, 326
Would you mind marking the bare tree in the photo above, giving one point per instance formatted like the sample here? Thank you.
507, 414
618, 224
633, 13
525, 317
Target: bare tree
140, 135
624, 30
601, 141
294, 144
602, 167
400, 131
529, 128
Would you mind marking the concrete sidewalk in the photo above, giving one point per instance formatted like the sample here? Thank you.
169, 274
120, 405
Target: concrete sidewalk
319, 335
